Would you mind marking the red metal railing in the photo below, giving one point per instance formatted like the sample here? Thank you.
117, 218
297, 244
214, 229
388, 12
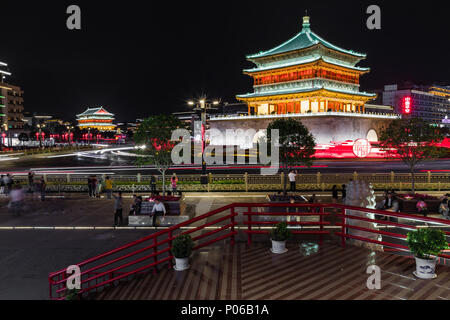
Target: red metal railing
154, 250
96, 272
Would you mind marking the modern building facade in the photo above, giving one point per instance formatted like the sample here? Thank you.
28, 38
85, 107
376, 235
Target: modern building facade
96, 118
11, 104
306, 74
431, 103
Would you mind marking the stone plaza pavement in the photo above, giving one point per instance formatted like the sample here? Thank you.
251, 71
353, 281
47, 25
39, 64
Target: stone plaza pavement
59, 232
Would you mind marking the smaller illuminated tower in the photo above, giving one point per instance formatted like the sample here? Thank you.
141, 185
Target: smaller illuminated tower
96, 118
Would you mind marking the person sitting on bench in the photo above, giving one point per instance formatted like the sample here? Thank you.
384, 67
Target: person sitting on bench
158, 209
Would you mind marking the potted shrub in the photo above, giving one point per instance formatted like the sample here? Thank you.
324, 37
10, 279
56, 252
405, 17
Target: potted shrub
181, 249
279, 234
426, 244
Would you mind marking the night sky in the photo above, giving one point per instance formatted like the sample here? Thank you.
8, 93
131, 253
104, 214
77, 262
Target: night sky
137, 59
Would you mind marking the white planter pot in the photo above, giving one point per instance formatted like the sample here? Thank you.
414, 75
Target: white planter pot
278, 247
181, 264
425, 268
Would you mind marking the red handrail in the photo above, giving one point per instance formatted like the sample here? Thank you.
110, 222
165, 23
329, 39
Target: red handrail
57, 280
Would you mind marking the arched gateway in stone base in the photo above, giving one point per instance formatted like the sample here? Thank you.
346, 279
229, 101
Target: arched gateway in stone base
326, 128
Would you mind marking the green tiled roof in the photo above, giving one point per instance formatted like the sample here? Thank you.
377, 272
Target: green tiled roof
95, 111
305, 39
302, 90
303, 61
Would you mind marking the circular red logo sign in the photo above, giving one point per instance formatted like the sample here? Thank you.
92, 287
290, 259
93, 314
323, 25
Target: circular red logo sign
362, 148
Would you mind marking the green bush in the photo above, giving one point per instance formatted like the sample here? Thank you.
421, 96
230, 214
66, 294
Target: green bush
280, 232
182, 246
72, 294
425, 242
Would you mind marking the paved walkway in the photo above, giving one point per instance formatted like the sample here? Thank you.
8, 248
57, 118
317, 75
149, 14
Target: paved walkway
254, 273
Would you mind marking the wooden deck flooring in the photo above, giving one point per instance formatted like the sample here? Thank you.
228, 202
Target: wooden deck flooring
254, 273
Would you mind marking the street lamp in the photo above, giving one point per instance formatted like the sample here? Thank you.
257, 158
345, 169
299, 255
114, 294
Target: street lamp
201, 106
39, 134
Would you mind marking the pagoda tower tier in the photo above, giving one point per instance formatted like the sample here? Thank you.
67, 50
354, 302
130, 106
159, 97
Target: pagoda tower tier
306, 74
96, 118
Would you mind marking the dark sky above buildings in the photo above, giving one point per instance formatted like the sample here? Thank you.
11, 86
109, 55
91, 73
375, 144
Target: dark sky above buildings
138, 58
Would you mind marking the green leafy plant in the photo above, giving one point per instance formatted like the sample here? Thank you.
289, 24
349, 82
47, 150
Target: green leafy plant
280, 232
295, 142
182, 246
426, 242
72, 294
413, 140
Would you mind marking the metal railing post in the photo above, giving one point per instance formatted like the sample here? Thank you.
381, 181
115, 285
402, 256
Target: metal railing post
249, 227
343, 229
232, 225
170, 246
321, 225
155, 250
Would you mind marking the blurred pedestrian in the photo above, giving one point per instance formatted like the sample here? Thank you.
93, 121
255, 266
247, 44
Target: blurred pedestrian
17, 198
8, 183
174, 181
334, 193
30, 181
42, 187
89, 183
118, 207
344, 192
158, 209
2, 185
422, 207
94, 186
108, 187
153, 183
292, 175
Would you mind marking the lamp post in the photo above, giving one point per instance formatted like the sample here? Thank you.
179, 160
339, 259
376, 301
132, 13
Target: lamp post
201, 106
39, 135
69, 138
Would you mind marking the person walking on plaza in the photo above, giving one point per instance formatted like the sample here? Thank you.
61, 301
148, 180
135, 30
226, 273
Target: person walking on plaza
174, 181
108, 187
99, 186
8, 183
158, 209
138, 206
334, 193
292, 175
30, 181
133, 206
153, 183
2, 185
89, 183
16, 199
344, 193
94, 186
118, 207
443, 206
422, 207
42, 188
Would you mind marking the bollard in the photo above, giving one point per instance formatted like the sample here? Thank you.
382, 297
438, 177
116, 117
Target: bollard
138, 177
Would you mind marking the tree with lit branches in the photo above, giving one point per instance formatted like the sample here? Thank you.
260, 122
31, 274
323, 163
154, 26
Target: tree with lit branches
413, 140
153, 136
